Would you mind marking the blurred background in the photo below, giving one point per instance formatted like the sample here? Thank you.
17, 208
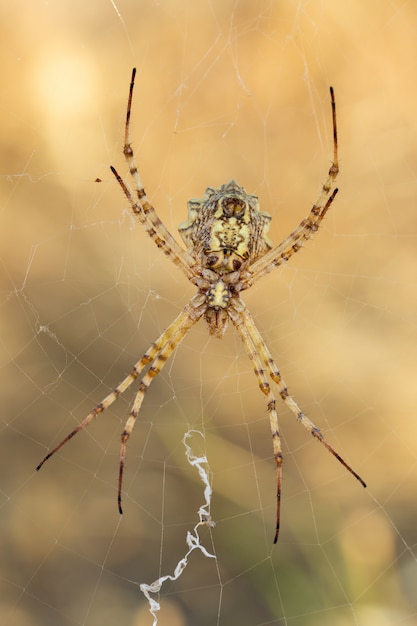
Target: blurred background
225, 89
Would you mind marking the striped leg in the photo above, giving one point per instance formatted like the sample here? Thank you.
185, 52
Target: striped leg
286, 397
310, 225
156, 230
173, 337
144, 210
185, 318
259, 353
253, 352
292, 244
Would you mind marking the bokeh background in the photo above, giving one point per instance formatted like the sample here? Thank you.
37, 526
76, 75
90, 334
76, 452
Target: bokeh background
225, 89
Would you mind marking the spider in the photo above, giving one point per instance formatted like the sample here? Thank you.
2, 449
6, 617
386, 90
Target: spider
227, 251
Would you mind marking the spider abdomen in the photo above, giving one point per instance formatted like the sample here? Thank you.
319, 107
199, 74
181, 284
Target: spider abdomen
225, 228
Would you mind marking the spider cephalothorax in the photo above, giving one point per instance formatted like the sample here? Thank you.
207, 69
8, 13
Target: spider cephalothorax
227, 251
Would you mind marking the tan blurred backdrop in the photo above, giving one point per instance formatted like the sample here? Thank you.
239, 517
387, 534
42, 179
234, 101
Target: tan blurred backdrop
224, 90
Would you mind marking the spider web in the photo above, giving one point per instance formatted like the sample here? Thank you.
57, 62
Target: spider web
224, 90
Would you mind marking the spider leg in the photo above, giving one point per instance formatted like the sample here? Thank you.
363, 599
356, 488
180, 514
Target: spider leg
144, 209
106, 402
147, 358
308, 226
286, 397
172, 337
258, 352
155, 228
253, 352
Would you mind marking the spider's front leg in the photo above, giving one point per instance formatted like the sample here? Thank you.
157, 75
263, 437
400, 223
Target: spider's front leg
261, 357
156, 356
236, 313
166, 343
